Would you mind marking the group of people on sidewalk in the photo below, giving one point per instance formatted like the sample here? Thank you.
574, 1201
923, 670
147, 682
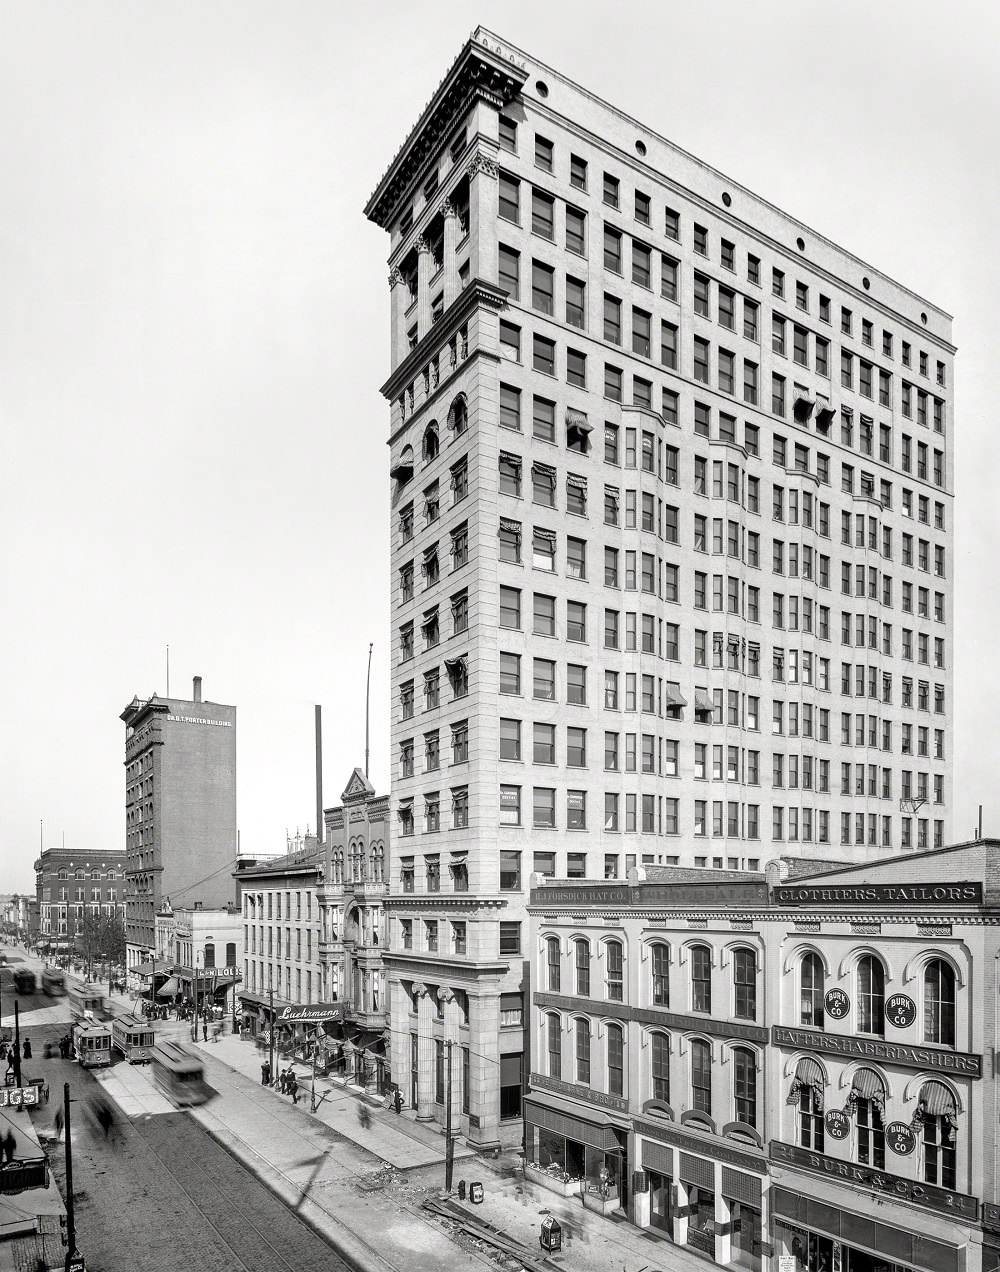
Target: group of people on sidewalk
8, 1051
284, 1081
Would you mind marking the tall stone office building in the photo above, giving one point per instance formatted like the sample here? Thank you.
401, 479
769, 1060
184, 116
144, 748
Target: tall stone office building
671, 543
180, 811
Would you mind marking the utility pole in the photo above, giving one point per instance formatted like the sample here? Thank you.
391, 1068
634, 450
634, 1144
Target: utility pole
270, 1028
17, 1045
312, 1098
70, 1220
152, 986
449, 1143
194, 1027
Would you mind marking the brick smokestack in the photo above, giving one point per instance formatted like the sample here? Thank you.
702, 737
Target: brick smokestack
197, 688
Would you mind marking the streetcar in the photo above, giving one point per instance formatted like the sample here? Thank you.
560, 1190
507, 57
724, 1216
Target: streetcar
24, 981
93, 1045
178, 1073
54, 982
86, 1002
133, 1038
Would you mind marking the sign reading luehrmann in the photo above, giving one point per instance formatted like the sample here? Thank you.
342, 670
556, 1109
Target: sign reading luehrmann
880, 894
314, 1014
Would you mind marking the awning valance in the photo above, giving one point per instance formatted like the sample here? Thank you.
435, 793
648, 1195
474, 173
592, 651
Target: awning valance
810, 1071
456, 664
937, 1100
577, 422
576, 481
544, 470
867, 1084
550, 1114
511, 527
549, 536
672, 697
703, 700
169, 988
429, 619
401, 471
506, 457
808, 1076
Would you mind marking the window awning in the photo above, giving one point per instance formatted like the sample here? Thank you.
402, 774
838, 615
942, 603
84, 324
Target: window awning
401, 471
169, 988
867, 1086
577, 421
549, 1114
809, 1071
459, 858
429, 619
673, 697
576, 481
454, 664
431, 552
611, 493
809, 1076
507, 458
548, 535
703, 700
544, 470
937, 1100
511, 527
144, 969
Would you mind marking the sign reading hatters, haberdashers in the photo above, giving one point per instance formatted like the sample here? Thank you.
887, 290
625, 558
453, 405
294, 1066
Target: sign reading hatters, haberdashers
880, 894
956, 1062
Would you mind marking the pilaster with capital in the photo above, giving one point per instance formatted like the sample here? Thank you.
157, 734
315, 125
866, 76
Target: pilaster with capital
425, 267
425, 1053
450, 215
452, 1024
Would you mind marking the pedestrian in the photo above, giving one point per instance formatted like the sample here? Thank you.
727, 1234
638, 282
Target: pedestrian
397, 1100
9, 1144
293, 1088
204, 1029
62, 1047
57, 1122
364, 1116
27, 1049
265, 1074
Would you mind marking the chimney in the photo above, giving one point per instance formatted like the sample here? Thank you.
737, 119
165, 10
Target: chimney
320, 826
197, 688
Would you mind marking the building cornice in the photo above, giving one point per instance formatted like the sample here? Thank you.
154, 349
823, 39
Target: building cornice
479, 73
478, 292
427, 965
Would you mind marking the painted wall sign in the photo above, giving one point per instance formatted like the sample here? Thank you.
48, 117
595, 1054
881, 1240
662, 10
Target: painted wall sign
881, 894
838, 1124
960, 1062
895, 1187
900, 1010
838, 1004
900, 1138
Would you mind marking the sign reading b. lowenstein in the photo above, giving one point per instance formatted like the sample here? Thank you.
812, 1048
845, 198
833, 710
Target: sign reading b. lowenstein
881, 894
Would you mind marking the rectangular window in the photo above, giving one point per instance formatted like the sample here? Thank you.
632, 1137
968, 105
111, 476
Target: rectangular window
543, 213
508, 135
543, 153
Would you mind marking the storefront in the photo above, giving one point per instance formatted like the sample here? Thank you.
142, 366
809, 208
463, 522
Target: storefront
825, 1235
700, 1191
585, 1147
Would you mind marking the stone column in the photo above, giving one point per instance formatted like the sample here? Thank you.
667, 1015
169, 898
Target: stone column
450, 242
450, 1033
425, 1032
398, 298
484, 203
484, 1065
425, 268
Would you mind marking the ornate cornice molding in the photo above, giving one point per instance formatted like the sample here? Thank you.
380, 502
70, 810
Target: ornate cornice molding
478, 74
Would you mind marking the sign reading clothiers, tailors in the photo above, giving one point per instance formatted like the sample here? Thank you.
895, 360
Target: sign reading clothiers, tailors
313, 1014
881, 894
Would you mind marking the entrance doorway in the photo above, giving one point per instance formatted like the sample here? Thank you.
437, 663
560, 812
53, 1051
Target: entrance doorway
661, 1213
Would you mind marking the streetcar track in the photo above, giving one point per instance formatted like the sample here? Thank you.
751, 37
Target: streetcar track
239, 1209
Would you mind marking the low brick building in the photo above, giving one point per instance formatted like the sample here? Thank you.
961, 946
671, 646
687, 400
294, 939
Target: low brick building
778, 1063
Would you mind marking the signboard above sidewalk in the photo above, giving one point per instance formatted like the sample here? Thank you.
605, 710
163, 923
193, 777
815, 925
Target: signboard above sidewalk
18, 1097
311, 1014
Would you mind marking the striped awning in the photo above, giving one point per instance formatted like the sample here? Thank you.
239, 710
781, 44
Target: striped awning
867, 1084
809, 1075
937, 1100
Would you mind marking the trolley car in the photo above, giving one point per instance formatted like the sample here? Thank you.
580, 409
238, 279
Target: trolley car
54, 982
86, 1002
133, 1037
24, 981
178, 1073
93, 1045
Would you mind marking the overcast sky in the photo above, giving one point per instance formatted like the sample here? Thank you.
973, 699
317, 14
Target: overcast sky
194, 325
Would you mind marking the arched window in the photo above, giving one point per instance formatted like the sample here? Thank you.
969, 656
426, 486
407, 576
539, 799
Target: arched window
615, 1040
811, 991
867, 1102
431, 444
871, 995
745, 984
745, 1086
701, 978
230, 953
939, 1002
701, 1076
807, 1092
552, 961
936, 1121
659, 1065
583, 1050
661, 975
582, 951
553, 1038
614, 955
209, 954
458, 415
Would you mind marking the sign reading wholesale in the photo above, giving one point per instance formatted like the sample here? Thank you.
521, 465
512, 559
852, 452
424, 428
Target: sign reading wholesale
313, 1014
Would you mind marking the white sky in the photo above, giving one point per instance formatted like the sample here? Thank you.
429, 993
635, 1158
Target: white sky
194, 322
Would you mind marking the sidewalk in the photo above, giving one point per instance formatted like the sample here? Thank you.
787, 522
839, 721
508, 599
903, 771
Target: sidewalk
376, 1209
